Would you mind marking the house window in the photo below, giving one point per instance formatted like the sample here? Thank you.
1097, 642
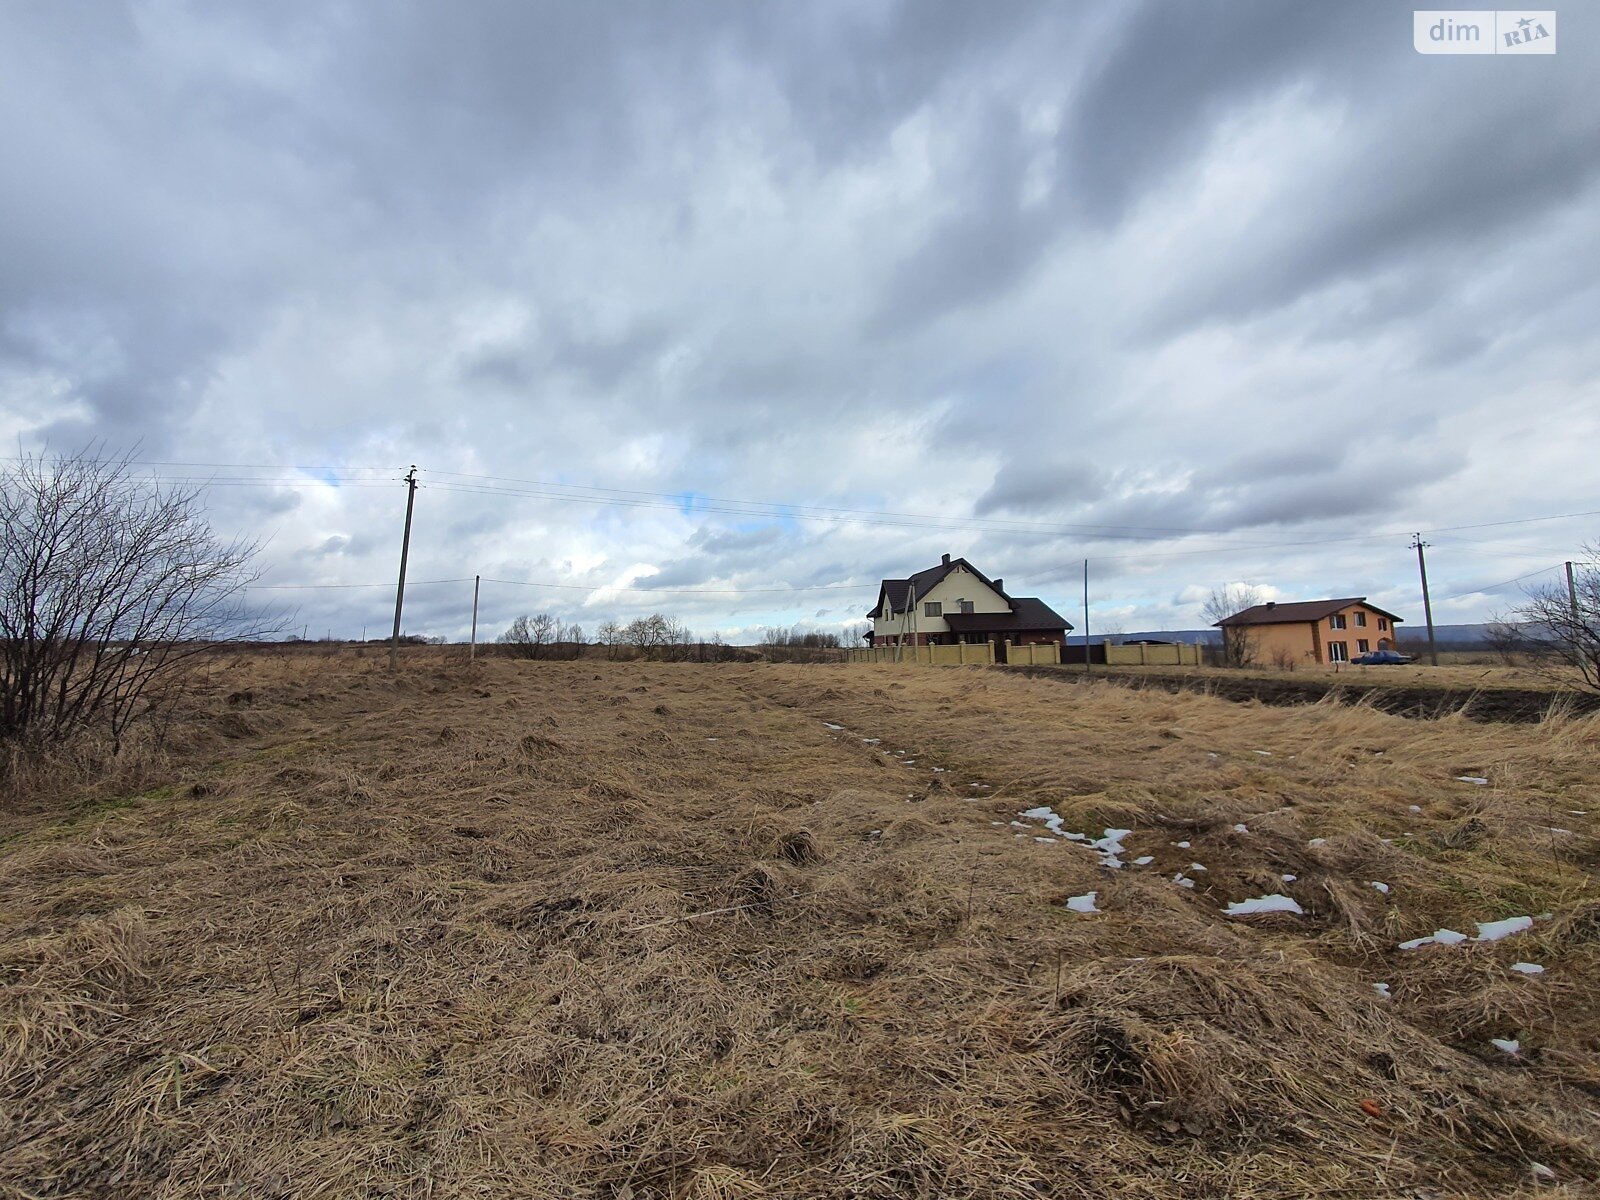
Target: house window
1338, 652
1361, 619
1336, 621
933, 609
966, 606
1383, 623
1361, 646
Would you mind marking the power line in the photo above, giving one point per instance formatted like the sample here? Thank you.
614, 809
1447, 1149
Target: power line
606, 587
1496, 586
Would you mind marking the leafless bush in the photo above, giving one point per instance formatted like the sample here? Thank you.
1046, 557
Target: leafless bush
110, 586
1561, 628
1238, 641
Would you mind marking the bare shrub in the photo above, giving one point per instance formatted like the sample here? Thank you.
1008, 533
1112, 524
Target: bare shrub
1238, 641
110, 586
1561, 628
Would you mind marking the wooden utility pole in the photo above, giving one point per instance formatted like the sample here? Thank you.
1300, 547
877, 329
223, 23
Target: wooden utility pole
1572, 596
405, 550
1418, 545
473, 652
1086, 669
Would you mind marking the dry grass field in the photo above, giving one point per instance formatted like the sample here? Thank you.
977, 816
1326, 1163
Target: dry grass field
633, 930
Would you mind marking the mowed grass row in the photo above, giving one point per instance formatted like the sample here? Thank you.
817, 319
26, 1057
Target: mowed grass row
591, 929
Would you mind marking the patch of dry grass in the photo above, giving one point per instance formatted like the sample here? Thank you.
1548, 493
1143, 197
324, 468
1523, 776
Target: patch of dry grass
589, 929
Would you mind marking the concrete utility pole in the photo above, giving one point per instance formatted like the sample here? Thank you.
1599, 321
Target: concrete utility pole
1418, 544
405, 550
1086, 669
473, 652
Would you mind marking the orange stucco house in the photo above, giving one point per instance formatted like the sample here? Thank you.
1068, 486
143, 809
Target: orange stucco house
1314, 631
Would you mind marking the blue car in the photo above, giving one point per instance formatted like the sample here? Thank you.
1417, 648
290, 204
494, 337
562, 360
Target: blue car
1379, 658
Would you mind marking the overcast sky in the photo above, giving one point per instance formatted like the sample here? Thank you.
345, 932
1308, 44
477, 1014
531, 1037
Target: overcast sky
1204, 293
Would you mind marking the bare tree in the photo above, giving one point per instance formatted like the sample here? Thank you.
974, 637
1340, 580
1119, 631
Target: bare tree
531, 637
1561, 627
1238, 641
110, 586
611, 637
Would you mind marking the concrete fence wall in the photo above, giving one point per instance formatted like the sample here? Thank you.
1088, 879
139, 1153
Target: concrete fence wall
1041, 655
1152, 656
938, 656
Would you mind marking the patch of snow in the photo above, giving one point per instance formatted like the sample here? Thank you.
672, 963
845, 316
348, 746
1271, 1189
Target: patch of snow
1383, 990
1263, 753
1509, 1045
1527, 968
1416, 808
1493, 931
1182, 882
1577, 812
713, 739
871, 741
1317, 842
1290, 878
1264, 904
1083, 903
1382, 887
1442, 937
997, 822
1241, 829
1197, 867
1211, 754
1019, 824
1557, 829
1477, 779
938, 768
1043, 813
832, 726
1047, 841
1181, 845
1110, 846
1144, 860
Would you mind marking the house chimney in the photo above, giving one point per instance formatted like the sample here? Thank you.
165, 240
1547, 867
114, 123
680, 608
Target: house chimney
999, 585
945, 561
1272, 604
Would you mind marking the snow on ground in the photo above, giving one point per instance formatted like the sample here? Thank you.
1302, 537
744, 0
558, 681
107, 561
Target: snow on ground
1440, 937
1382, 887
1527, 968
832, 726
1241, 829
1493, 931
1264, 904
1182, 882
1083, 903
1509, 1045
1383, 990
1108, 846
1477, 779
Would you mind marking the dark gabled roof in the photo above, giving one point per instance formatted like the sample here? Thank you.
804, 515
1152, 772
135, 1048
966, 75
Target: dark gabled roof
1299, 611
898, 591
1028, 614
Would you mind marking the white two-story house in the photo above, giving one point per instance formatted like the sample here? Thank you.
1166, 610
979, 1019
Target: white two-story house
955, 602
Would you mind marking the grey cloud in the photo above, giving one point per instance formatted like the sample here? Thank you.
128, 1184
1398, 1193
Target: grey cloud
833, 253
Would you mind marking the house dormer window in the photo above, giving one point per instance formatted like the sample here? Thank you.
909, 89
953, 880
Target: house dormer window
933, 609
966, 606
